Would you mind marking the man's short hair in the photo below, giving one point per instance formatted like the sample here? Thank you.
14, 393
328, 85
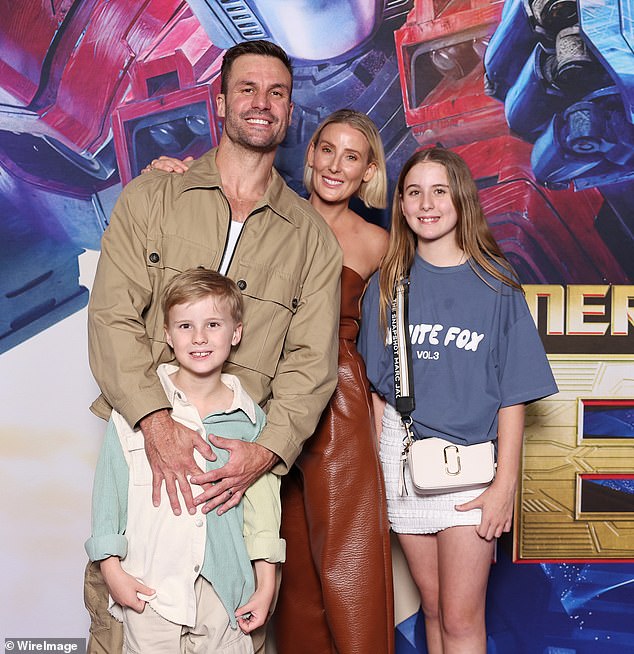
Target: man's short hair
258, 47
198, 283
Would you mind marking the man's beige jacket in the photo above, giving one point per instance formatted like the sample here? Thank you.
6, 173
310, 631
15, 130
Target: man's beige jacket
287, 264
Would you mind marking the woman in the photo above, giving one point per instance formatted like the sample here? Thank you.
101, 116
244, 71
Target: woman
336, 591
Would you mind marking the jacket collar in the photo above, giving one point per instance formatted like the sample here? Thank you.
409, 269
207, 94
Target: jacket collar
203, 173
241, 399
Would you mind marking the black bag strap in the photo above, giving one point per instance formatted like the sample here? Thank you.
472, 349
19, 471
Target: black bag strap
404, 400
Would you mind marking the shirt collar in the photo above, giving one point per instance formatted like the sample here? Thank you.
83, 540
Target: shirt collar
242, 401
203, 173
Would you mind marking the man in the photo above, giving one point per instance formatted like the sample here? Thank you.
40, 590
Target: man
230, 211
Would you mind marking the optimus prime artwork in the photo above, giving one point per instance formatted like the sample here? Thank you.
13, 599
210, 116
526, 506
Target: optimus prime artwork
493, 115
536, 95
92, 90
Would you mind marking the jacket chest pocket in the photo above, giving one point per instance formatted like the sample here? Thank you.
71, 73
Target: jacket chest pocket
271, 299
175, 253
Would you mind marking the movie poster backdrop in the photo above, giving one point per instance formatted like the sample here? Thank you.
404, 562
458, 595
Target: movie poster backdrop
537, 96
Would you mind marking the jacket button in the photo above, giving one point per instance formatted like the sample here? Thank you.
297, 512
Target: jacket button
196, 568
241, 284
294, 303
154, 257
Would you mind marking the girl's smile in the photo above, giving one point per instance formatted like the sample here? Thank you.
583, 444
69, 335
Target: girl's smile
429, 210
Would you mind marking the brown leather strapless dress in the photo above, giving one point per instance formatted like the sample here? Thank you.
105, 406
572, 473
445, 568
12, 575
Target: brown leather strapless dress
336, 595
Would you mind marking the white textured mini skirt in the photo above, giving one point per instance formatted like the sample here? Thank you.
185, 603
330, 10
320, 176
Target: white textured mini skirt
415, 513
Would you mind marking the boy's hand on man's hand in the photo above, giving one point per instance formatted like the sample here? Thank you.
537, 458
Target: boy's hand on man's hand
123, 588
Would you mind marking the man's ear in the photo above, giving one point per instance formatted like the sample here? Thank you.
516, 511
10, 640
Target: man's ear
237, 334
220, 105
168, 338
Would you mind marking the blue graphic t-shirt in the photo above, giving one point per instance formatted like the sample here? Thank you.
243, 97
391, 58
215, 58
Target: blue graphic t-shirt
475, 349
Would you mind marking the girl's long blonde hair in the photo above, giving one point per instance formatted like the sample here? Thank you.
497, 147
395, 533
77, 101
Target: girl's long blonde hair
472, 231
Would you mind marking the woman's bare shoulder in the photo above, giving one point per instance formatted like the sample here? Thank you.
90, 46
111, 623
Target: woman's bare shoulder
376, 237
365, 245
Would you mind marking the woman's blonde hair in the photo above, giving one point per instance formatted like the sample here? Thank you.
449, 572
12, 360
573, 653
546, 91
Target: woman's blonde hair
472, 230
374, 192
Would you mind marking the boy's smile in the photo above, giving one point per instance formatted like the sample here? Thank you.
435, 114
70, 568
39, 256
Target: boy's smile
201, 333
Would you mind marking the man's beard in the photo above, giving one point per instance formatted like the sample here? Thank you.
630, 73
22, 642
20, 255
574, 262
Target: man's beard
239, 132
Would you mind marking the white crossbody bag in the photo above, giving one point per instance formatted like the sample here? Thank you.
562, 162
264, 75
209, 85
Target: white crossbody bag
435, 464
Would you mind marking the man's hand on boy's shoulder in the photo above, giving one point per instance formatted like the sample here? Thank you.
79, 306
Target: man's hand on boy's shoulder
169, 447
248, 461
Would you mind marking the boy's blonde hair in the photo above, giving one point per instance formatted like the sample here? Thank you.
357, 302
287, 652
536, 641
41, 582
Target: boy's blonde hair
473, 234
374, 192
198, 283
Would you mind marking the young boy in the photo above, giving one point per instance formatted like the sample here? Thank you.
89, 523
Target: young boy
198, 582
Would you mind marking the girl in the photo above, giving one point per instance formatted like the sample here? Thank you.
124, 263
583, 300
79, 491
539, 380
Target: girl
477, 359
336, 591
